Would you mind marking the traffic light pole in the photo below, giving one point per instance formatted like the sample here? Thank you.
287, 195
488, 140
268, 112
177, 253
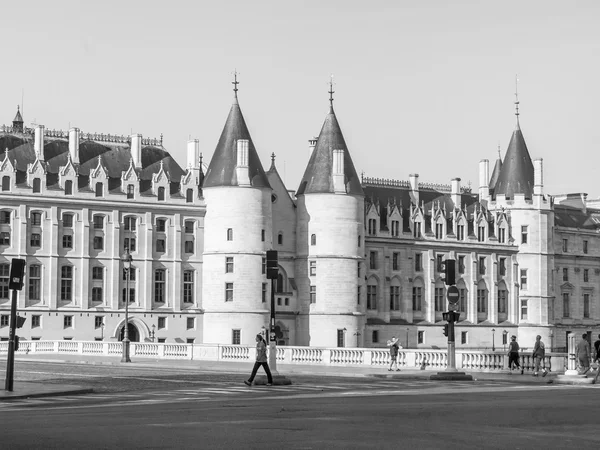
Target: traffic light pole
451, 344
10, 360
272, 338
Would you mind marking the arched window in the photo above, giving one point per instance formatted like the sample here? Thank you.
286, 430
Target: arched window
130, 191
6, 183
313, 239
99, 189
68, 187
372, 294
161, 194
230, 234
280, 287
37, 185
280, 238
189, 196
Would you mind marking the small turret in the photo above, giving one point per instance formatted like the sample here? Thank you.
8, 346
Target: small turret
18, 121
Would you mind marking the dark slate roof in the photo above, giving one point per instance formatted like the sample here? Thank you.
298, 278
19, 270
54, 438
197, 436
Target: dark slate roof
115, 157
317, 176
221, 170
571, 217
18, 117
495, 174
516, 174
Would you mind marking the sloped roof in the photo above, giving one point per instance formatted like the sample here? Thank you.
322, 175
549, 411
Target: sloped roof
318, 174
571, 217
516, 174
221, 170
495, 174
18, 116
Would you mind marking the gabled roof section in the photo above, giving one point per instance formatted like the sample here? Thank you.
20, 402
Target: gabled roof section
516, 174
221, 171
318, 174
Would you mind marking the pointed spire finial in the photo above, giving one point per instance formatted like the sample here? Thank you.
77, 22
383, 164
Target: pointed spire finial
331, 92
517, 98
273, 159
235, 82
499, 156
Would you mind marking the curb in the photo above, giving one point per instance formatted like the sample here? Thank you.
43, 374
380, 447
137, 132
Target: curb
7, 398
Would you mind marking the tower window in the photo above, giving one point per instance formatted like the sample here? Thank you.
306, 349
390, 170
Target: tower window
313, 239
37, 185
99, 189
524, 234
130, 191
280, 239
161, 194
68, 187
230, 234
189, 196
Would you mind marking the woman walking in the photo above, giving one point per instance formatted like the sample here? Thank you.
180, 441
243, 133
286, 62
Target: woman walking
261, 360
513, 354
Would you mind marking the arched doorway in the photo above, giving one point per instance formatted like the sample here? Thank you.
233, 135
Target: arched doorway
134, 334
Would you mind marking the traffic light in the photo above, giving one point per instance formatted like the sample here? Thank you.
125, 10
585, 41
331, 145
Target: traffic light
20, 321
449, 272
17, 273
446, 327
272, 265
16, 343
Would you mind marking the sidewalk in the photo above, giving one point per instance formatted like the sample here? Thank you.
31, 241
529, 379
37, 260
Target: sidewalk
288, 370
27, 389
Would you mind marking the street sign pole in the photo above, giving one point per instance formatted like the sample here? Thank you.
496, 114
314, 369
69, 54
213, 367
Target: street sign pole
15, 282
453, 297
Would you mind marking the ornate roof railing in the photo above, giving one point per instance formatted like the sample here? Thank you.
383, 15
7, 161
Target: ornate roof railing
386, 182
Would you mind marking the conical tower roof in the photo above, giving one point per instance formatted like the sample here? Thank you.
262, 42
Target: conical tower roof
516, 174
318, 174
18, 117
221, 170
495, 173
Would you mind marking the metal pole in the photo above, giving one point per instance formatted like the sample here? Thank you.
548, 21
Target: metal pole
125, 357
272, 343
493, 340
10, 360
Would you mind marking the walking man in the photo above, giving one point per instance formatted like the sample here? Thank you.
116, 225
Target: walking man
261, 360
394, 346
597, 348
539, 352
582, 350
513, 354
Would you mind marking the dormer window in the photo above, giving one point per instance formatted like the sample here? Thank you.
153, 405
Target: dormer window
5, 183
372, 227
37, 185
502, 235
161, 194
99, 189
417, 230
439, 230
68, 187
460, 232
130, 191
481, 233
189, 196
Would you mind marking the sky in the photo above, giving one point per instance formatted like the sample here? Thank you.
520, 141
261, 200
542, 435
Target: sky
423, 87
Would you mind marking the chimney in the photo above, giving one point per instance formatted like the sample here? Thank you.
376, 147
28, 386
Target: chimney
241, 168
538, 177
484, 179
414, 188
74, 145
38, 142
193, 153
136, 150
339, 186
311, 146
455, 193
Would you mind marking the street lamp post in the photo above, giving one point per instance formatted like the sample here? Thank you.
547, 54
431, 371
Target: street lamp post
551, 338
504, 333
126, 258
357, 334
493, 342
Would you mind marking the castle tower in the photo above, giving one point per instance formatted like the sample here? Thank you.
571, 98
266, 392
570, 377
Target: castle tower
330, 244
18, 121
519, 189
237, 232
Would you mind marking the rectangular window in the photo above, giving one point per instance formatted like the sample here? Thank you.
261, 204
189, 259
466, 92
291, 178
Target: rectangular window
190, 340
480, 234
4, 320
462, 300
481, 300
418, 262
229, 264
461, 264
264, 266
586, 275
98, 242
97, 294
190, 323
236, 337
358, 269
228, 292
131, 274
565, 245
502, 301
262, 235
420, 337
160, 225
417, 298
98, 321
66, 283
502, 267
312, 270
159, 286
130, 224
358, 294
35, 282
523, 309
585, 247
502, 235
313, 294
5, 238
36, 240
68, 322
524, 279
162, 323
373, 260
230, 234
372, 227
188, 286
189, 247
394, 298
464, 335
97, 273
586, 306
372, 297
36, 321
189, 226
375, 336
482, 265
565, 274
439, 231
98, 222
395, 228
523, 234
264, 293
4, 278
566, 305
67, 241
439, 299
395, 261
417, 230
460, 232
36, 219
439, 263
161, 246
129, 244
340, 338
5, 217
